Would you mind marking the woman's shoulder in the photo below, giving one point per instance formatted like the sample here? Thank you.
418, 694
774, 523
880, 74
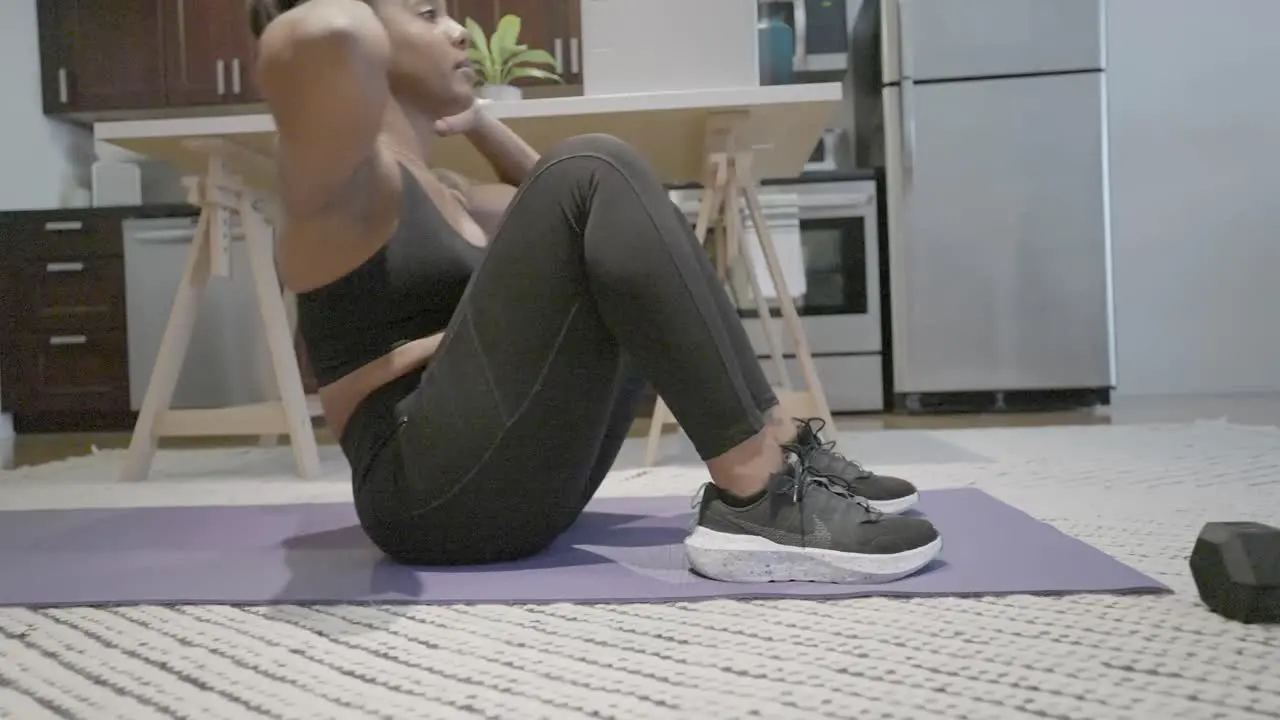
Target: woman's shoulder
323, 238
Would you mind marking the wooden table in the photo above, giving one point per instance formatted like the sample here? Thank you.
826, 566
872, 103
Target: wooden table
728, 139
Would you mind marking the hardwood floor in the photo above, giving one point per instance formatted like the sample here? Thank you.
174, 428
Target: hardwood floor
1254, 409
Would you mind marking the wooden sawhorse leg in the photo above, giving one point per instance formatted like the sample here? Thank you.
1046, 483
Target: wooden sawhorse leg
728, 181
222, 196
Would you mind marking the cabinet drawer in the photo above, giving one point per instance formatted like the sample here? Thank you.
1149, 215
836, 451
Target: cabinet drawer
79, 294
78, 372
58, 238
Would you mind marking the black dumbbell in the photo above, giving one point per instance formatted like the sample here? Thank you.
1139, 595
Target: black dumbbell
1236, 566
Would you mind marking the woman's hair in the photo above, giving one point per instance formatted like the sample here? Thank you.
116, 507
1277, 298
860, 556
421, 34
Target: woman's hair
262, 12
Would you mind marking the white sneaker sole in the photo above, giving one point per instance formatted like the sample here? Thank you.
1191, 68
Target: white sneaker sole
753, 559
896, 506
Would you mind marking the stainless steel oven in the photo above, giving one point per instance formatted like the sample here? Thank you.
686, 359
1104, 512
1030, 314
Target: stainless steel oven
827, 234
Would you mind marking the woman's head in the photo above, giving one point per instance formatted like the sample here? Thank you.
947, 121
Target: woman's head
428, 69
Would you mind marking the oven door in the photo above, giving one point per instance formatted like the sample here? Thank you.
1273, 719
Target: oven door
827, 238
835, 244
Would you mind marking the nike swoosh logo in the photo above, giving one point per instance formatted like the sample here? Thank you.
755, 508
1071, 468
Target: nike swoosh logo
778, 535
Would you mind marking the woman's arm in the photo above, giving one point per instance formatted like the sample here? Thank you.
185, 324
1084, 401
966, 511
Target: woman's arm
511, 157
322, 68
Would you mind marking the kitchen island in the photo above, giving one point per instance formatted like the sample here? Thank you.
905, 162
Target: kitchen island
785, 122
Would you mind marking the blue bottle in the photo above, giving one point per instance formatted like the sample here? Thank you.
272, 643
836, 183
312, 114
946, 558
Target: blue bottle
777, 50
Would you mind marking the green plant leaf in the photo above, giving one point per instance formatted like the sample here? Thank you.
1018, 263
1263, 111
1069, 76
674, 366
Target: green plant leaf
479, 41
481, 59
502, 58
533, 57
505, 38
532, 72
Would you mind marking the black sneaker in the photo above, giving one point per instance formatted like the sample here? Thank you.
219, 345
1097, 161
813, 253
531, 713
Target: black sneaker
806, 528
888, 494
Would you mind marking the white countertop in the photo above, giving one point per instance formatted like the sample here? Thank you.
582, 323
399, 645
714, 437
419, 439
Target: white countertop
785, 123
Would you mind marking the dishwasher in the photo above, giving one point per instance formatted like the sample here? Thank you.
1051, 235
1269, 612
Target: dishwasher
227, 362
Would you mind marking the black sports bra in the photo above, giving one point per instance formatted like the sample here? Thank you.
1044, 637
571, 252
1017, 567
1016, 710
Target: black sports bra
409, 289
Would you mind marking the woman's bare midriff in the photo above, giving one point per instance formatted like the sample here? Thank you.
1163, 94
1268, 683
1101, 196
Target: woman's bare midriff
340, 398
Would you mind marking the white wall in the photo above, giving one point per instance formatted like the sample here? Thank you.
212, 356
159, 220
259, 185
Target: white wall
1195, 169
35, 150
619, 55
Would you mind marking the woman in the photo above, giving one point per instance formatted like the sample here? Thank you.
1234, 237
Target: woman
481, 348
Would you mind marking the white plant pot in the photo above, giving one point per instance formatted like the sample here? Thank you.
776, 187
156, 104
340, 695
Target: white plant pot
500, 92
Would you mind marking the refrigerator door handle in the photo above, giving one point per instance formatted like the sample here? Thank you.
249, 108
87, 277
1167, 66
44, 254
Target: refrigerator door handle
908, 83
908, 96
906, 58
801, 15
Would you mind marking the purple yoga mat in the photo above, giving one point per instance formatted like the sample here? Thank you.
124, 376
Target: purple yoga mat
621, 550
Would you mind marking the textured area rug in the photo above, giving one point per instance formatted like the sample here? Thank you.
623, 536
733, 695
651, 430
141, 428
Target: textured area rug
1139, 493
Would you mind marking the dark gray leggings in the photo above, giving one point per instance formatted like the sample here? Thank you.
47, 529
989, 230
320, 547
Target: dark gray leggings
593, 284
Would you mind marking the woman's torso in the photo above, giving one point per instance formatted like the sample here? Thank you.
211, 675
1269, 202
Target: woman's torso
372, 293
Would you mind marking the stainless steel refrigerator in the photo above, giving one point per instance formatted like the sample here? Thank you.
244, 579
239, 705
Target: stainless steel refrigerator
989, 119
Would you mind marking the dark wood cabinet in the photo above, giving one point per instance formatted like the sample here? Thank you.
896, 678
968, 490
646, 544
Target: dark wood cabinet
208, 53
571, 21
482, 11
70, 294
246, 46
144, 54
101, 55
71, 374
64, 362
99, 58
62, 311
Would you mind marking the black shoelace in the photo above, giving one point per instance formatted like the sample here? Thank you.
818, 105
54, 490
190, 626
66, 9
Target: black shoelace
805, 478
814, 427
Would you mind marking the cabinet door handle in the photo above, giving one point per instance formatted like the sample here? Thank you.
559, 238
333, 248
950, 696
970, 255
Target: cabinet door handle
63, 225
557, 51
235, 76
222, 76
63, 340
64, 267
573, 56
63, 95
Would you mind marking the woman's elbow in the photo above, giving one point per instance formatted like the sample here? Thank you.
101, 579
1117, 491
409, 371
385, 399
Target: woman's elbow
322, 38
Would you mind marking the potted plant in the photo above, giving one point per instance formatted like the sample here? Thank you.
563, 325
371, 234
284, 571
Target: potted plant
501, 59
